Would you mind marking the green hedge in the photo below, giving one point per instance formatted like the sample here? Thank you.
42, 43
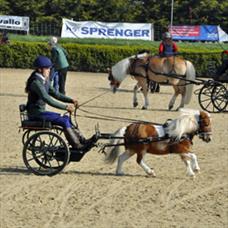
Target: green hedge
93, 58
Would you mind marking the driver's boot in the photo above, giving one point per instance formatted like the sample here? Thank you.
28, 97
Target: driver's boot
90, 143
78, 141
81, 137
73, 138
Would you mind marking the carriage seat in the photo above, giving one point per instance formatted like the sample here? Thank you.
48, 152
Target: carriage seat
32, 124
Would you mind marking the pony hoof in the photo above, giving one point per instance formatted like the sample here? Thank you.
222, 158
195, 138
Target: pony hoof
197, 170
170, 108
151, 173
119, 174
135, 104
144, 108
191, 175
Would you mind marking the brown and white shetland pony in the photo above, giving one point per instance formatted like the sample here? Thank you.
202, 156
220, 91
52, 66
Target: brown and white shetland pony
145, 67
174, 138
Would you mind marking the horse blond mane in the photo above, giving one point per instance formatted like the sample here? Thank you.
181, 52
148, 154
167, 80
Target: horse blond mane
187, 122
120, 69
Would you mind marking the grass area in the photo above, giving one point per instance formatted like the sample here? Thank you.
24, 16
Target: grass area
215, 47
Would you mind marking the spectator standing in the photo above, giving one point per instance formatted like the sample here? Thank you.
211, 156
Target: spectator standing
60, 62
4, 38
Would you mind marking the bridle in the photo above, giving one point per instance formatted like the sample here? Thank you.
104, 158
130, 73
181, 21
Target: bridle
204, 128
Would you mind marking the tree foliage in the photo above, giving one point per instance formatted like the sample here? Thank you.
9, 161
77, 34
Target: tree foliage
185, 12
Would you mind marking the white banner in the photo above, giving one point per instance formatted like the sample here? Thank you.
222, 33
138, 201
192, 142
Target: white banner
14, 23
95, 29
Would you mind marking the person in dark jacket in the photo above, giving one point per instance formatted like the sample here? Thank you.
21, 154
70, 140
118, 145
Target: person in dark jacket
60, 62
224, 66
167, 47
4, 38
41, 92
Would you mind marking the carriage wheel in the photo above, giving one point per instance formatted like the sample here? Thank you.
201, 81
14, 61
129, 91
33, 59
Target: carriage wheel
58, 130
205, 98
46, 153
220, 97
25, 136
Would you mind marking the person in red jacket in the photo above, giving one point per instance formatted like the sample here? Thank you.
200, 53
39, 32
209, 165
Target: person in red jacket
167, 47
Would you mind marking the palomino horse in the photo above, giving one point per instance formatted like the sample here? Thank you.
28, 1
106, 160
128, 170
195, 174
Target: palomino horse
175, 137
159, 69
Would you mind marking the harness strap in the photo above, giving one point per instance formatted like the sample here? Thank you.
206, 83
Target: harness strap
147, 140
148, 68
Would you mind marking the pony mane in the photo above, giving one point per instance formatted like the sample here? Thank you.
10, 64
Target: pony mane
187, 122
120, 69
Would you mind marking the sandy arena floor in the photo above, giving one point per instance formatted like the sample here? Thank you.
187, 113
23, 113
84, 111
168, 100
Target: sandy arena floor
88, 194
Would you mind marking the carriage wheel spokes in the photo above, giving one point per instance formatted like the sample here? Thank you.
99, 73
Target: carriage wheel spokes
205, 98
58, 130
45, 153
220, 97
26, 135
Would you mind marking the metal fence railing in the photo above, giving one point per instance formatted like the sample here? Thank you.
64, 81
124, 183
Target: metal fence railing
54, 29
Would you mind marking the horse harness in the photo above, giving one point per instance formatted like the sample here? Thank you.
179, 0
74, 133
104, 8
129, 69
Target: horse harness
150, 139
171, 74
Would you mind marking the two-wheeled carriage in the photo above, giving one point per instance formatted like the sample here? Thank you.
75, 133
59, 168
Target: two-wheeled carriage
45, 150
213, 95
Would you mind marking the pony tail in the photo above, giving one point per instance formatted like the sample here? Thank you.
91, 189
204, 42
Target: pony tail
190, 75
113, 152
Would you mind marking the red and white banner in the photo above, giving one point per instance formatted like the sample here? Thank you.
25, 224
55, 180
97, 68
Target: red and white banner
185, 30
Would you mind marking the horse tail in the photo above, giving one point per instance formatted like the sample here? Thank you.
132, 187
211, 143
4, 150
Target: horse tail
190, 75
113, 152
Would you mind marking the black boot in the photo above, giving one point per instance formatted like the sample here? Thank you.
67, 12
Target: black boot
89, 143
73, 138
81, 137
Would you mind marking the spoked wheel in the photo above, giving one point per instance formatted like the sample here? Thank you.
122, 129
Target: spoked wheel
205, 98
58, 130
220, 97
46, 153
26, 135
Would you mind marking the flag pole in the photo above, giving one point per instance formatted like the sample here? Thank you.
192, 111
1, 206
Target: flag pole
171, 17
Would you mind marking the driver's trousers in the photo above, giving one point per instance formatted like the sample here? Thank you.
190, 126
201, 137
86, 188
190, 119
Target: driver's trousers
73, 135
55, 119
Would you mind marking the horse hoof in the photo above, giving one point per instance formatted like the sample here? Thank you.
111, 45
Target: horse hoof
151, 173
170, 108
144, 108
135, 104
191, 175
196, 171
119, 174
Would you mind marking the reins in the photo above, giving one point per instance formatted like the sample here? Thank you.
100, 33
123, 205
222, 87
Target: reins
93, 115
114, 118
93, 98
